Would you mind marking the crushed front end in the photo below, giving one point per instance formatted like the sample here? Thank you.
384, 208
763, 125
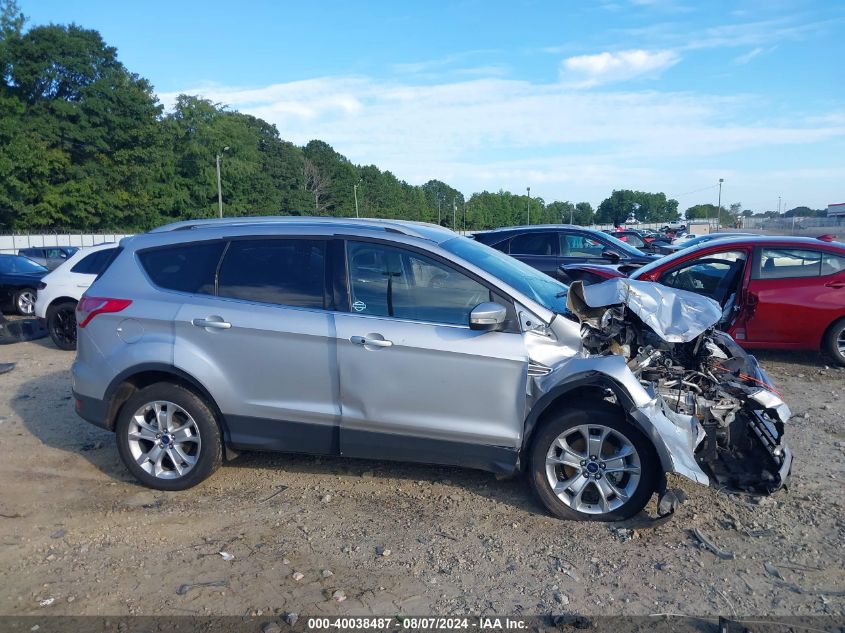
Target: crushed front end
669, 342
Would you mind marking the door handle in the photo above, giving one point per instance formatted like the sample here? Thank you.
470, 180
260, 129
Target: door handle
214, 325
835, 284
373, 342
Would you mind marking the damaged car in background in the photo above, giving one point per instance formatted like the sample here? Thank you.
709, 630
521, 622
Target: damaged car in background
402, 341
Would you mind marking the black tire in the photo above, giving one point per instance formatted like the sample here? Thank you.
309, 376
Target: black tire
61, 324
609, 416
833, 342
19, 301
210, 448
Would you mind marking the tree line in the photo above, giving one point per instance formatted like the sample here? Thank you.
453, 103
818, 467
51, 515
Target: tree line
85, 144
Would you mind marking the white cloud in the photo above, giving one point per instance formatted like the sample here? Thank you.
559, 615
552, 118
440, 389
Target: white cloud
747, 57
602, 68
497, 133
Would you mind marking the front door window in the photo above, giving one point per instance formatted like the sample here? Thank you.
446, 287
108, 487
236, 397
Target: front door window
393, 282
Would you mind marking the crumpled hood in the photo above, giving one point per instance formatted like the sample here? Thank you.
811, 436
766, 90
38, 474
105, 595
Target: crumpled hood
676, 316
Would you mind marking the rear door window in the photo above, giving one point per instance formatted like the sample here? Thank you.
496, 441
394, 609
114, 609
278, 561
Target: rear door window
290, 272
93, 264
534, 244
183, 267
789, 263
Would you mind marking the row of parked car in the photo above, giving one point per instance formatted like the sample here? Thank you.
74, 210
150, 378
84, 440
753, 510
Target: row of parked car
35, 283
775, 292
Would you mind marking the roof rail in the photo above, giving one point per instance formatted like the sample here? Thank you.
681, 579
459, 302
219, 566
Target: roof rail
395, 226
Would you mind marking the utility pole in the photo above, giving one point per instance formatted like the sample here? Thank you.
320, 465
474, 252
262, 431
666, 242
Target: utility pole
219, 188
719, 208
571, 214
439, 200
529, 205
454, 211
355, 193
464, 223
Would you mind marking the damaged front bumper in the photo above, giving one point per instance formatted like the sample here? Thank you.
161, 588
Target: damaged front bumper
762, 463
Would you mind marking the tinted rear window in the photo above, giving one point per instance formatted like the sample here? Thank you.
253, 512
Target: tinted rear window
95, 263
184, 267
534, 244
287, 272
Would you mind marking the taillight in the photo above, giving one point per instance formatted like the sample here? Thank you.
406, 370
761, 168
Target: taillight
89, 307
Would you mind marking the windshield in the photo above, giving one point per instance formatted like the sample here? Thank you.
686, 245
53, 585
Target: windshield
627, 248
20, 265
529, 281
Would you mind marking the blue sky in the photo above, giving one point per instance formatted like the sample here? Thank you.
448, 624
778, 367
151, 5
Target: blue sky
573, 99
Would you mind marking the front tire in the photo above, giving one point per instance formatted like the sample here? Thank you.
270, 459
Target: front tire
834, 342
61, 324
168, 437
590, 464
25, 301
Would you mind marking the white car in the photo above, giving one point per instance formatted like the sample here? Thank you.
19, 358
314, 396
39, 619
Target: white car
59, 291
683, 239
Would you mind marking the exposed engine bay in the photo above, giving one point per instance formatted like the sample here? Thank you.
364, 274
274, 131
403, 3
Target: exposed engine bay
669, 343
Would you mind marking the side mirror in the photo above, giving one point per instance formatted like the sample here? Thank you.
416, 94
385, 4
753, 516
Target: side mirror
488, 317
611, 255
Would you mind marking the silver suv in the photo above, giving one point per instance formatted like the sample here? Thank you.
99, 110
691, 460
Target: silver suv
403, 341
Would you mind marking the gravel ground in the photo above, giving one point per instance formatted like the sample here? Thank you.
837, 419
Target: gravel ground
336, 536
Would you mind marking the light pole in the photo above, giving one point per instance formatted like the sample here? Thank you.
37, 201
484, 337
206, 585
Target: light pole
355, 193
571, 214
529, 204
719, 207
439, 200
454, 211
219, 189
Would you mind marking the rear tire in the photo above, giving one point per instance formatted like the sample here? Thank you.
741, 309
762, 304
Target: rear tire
168, 437
61, 324
620, 463
25, 301
834, 342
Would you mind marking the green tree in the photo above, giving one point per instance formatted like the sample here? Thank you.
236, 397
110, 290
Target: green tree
646, 207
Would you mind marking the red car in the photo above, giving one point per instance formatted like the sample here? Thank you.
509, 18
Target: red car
776, 292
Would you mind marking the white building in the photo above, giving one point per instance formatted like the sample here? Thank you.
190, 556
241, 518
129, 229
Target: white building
836, 210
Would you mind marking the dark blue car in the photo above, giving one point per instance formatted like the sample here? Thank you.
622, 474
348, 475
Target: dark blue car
19, 279
548, 247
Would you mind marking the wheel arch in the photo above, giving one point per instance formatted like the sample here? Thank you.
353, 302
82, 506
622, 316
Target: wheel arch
588, 386
135, 378
62, 299
828, 330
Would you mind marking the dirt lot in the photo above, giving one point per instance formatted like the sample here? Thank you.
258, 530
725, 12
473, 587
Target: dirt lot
78, 536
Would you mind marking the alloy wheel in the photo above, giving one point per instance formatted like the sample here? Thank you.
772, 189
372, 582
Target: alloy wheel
593, 469
64, 327
164, 439
26, 302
